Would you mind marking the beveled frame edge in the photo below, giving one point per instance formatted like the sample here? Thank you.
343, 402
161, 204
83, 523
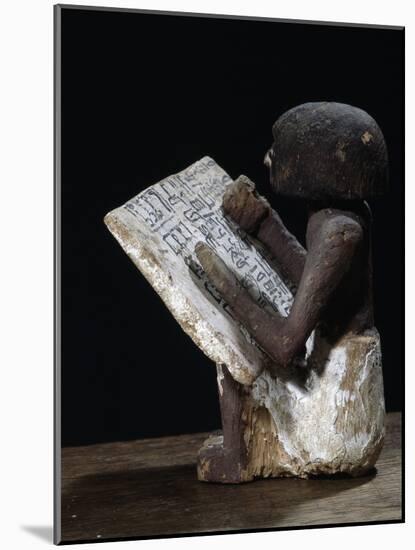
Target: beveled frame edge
229, 16
57, 486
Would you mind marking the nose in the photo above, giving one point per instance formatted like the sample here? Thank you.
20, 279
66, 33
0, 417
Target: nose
268, 157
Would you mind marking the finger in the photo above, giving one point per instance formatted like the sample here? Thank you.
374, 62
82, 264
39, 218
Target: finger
240, 203
234, 200
221, 277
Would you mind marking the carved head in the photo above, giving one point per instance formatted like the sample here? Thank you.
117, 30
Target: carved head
326, 151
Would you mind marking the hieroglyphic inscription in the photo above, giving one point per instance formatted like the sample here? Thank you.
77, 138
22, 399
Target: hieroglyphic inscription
186, 208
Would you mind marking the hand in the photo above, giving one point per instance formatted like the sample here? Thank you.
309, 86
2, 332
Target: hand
241, 204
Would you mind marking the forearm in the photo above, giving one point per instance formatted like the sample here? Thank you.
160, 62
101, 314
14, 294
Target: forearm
263, 326
255, 215
284, 247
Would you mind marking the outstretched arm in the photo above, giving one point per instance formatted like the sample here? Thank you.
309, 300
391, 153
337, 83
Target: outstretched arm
255, 216
331, 251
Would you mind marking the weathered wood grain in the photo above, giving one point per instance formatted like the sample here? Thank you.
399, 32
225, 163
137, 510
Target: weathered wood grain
150, 488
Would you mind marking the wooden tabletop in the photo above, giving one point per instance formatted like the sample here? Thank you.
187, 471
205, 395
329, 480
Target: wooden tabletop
148, 488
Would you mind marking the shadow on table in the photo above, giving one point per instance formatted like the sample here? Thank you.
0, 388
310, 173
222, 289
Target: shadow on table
168, 500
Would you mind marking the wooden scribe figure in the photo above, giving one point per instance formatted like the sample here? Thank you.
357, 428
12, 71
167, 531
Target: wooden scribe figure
319, 408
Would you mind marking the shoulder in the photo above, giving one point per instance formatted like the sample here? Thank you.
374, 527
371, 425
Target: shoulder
336, 226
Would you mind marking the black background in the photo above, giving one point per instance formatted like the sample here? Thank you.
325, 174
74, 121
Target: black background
144, 96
